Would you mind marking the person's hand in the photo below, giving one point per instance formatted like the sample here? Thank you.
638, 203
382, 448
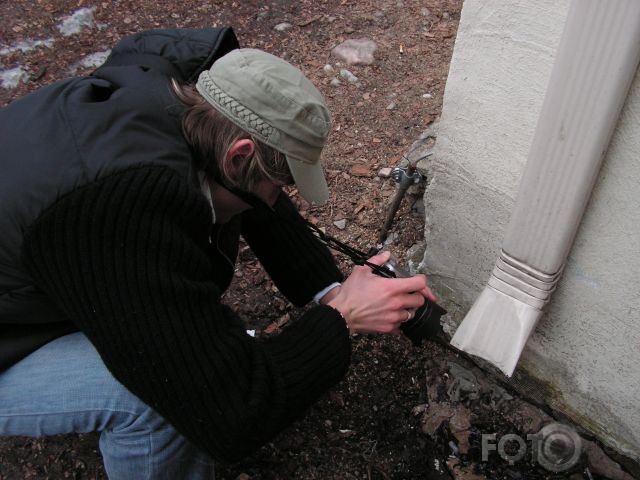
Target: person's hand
373, 304
427, 293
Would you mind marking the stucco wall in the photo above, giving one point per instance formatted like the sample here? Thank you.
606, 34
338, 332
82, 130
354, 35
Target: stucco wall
586, 349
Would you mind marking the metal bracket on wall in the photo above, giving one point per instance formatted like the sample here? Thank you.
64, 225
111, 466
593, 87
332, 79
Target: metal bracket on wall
405, 177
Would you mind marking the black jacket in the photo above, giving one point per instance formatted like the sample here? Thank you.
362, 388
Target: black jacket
76, 131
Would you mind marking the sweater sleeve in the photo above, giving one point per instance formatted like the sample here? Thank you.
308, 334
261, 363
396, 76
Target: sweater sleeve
126, 259
298, 263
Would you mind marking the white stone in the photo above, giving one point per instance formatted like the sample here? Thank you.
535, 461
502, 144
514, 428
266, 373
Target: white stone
328, 70
11, 78
391, 106
348, 76
385, 172
356, 51
335, 83
281, 27
93, 60
341, 224
26, 46
78, 21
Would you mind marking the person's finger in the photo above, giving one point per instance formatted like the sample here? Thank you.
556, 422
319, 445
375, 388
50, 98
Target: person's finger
426, 292
380, 258
409, 284
412, 300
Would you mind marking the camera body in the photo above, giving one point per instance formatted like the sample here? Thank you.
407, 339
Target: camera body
426, 320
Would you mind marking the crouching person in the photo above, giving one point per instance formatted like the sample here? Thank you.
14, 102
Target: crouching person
123, 195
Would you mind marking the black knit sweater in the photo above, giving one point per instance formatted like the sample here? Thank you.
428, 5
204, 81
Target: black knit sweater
128, 260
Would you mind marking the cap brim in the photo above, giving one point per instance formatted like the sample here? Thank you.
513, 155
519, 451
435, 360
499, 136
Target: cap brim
310, 181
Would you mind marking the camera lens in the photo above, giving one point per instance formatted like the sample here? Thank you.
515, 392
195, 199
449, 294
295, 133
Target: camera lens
425, 323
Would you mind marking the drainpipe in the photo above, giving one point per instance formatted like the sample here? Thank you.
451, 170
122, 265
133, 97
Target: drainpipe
595, 63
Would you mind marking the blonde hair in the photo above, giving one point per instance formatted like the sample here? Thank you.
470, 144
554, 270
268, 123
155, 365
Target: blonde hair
211, 134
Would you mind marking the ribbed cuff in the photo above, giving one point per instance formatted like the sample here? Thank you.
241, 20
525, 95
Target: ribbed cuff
311, 355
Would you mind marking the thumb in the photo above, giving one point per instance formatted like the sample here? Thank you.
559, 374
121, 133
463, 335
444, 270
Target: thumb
380, 258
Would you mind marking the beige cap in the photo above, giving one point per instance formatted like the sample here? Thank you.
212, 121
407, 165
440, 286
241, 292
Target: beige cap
271, 99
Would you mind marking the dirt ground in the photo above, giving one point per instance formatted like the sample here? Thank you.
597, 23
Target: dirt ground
402, 412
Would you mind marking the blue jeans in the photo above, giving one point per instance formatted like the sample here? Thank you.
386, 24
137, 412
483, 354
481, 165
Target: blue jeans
65, 387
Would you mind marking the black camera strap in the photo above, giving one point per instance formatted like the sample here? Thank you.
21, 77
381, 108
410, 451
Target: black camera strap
357, 256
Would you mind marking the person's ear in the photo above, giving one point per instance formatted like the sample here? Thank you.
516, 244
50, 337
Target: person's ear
240, 152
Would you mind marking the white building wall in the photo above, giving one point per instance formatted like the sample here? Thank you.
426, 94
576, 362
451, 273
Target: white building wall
586, 349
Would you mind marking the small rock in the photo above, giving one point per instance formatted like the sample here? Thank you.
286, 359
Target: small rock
243, 476
328, 70
262, 16
356, 51
385, 172
349, 30
463, 383
335, 82
348, 76
391, 238
391, 106
455, 451
341, 224
427, 95
499, 394
418, 409
281, 27
425, 12
415, 255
